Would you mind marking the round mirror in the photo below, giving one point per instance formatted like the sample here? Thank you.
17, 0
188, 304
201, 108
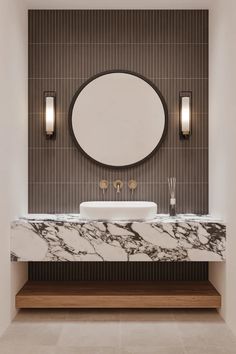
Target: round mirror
118, 118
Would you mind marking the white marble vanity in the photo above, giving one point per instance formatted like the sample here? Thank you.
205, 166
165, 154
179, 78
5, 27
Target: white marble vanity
64, 237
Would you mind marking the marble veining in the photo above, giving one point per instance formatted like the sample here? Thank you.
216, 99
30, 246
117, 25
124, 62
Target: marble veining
67, 237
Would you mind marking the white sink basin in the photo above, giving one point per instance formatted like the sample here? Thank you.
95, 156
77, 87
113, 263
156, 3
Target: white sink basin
118, 210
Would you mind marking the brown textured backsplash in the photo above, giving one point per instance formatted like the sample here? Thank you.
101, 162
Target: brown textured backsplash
66, 47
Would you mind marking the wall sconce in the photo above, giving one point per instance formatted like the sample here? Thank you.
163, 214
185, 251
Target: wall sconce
185, 103
50, 113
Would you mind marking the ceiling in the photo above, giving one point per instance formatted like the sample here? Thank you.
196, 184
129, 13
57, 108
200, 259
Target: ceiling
120, 4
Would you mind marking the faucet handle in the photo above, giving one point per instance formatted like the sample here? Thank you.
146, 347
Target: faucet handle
118, 185
132, 184
103, 184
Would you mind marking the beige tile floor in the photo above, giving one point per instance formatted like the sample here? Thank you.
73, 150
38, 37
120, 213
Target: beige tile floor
118, 332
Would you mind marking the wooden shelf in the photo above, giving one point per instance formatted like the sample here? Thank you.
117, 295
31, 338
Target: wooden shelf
73, 294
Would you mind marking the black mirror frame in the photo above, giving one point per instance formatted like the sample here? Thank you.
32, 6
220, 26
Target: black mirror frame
94, 77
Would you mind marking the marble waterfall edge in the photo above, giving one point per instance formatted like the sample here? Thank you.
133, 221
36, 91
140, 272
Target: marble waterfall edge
68, 238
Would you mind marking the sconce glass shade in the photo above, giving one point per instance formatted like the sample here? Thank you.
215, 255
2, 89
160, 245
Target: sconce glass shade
185, 114
50, 114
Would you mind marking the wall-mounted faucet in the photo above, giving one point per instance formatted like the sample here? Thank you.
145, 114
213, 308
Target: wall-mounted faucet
118, 185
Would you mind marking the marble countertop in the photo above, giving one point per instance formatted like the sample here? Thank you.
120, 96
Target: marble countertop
67, 237
163, 218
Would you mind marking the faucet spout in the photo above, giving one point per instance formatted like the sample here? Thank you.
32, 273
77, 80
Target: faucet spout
118, 184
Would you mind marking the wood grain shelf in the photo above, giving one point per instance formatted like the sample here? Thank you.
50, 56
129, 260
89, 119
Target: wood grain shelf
73, 294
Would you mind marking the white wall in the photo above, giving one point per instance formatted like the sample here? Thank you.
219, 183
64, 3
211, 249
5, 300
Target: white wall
13, 145
222, 153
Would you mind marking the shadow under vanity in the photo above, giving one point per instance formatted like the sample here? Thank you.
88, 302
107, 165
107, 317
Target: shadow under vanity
118, 103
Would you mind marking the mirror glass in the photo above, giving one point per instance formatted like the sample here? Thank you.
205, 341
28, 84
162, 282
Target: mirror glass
118, 119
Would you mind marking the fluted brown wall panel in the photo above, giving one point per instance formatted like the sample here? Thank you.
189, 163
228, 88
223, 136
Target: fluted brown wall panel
66, 48
106, 271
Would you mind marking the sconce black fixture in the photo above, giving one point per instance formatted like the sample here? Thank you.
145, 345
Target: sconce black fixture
50, 113
185, 114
